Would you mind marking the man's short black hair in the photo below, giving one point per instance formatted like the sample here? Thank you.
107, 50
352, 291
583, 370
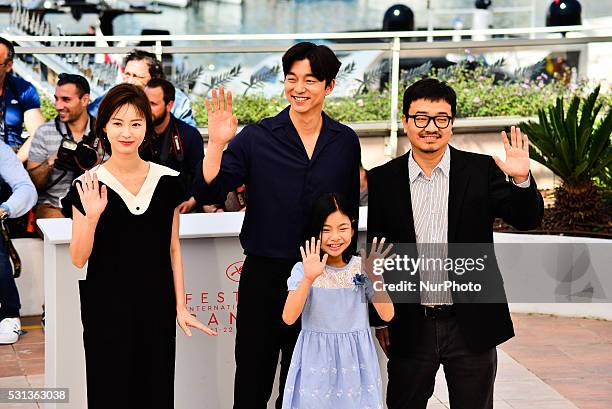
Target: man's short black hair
430, 89
79, 82
166, 86
323, 62
156, 69
11, 49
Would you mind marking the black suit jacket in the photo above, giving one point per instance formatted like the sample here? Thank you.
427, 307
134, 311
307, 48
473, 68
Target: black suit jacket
478, 193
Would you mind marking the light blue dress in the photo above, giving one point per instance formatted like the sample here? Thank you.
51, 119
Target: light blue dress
334, 363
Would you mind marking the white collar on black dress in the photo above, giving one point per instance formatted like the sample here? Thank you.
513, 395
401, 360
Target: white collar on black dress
139, 203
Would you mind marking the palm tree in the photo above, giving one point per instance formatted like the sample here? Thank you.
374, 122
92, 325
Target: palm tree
576, 146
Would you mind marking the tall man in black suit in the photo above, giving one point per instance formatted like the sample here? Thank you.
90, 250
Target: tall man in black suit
438, 194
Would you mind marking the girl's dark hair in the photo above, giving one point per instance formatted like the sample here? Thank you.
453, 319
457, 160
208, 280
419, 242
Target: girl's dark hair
321, 209
118, 96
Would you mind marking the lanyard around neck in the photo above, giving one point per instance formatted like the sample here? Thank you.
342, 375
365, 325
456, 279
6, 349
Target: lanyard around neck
3, 125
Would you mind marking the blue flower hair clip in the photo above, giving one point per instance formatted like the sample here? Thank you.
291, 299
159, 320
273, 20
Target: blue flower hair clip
359, 279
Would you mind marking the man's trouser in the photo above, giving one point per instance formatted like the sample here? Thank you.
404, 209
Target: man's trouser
9, 297
261, 333
470, 375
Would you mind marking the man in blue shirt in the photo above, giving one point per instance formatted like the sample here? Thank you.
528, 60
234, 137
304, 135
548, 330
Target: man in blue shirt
19, 103
17, 196
140, 68
286, 162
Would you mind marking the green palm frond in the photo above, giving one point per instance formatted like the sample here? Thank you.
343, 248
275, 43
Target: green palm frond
574, 143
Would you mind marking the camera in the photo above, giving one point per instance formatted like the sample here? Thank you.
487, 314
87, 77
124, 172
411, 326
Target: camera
77, 156
66, 156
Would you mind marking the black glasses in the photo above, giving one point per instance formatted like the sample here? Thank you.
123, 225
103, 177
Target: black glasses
422, 121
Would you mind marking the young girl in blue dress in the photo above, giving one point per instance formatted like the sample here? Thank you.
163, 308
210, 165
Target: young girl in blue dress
334, 363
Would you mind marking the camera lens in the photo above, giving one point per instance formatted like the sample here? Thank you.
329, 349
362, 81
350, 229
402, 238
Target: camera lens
86, 156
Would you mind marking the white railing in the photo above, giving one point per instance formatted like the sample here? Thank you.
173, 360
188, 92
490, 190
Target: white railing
323, 36
575, 39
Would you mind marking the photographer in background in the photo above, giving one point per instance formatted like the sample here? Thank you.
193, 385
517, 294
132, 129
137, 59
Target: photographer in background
52, 161
17, 196
176, 144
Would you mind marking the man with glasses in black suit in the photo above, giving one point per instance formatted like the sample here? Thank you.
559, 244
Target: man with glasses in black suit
432, 198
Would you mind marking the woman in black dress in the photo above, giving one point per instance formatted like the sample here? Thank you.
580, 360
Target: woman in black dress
125, 224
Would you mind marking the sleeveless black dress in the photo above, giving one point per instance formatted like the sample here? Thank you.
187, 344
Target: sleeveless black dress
128, 306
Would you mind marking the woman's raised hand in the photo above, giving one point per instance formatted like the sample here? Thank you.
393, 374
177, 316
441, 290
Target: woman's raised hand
93, 198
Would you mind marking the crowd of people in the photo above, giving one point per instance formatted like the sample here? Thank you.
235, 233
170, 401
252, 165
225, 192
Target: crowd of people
301, 169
